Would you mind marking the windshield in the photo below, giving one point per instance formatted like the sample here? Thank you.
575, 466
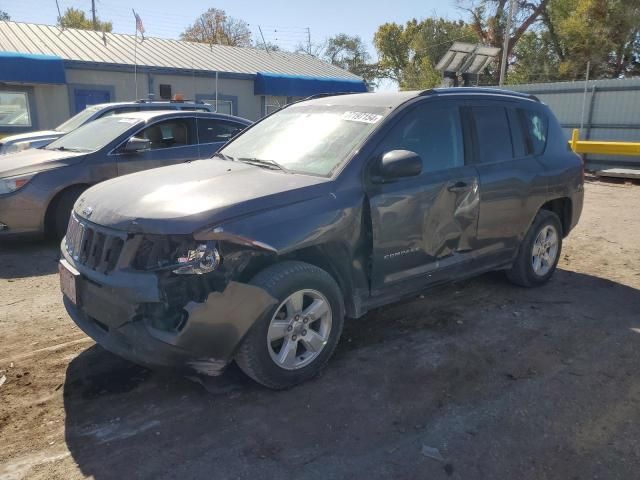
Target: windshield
311, 139
94, 135
77, 120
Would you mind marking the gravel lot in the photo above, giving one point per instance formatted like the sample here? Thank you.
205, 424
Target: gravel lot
504, 382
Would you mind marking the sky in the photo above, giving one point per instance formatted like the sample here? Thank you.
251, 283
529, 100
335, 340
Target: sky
282, 22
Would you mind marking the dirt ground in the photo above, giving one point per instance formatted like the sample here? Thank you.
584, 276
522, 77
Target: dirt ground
504, 382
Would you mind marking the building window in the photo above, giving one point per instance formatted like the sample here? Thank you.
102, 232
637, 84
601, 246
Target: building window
223, 106
165, 92
14, 109
273, 103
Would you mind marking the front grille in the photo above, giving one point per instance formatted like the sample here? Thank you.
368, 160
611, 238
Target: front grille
95, 247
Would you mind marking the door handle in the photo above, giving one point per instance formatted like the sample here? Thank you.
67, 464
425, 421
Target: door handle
458, 187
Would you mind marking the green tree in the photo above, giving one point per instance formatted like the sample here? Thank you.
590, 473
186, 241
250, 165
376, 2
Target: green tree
408, 53
215, 27
534, 60
350, 53
347, 52
4, 16
75, 18
603, 32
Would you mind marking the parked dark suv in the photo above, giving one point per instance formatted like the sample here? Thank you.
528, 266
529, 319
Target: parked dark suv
326, 209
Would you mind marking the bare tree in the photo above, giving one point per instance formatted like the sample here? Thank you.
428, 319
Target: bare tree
215, 27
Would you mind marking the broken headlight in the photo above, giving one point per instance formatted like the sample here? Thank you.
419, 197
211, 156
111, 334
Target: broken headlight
202, 258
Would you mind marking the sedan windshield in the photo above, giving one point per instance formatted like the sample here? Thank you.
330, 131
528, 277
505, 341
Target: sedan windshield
312, 139
94, 135
77, 120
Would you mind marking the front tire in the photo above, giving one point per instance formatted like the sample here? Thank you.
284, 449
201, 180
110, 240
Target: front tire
60, 211
293, 340
539, 251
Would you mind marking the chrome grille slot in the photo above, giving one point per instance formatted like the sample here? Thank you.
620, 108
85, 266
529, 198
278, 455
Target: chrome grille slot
95, 247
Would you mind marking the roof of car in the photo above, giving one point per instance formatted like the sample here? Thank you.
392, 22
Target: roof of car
147, 115
394, 99
149, 103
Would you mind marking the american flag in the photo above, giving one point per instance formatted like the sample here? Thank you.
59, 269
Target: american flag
139, 25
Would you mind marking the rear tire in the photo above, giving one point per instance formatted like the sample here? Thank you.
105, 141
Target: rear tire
294, 339
539, 251
60, 210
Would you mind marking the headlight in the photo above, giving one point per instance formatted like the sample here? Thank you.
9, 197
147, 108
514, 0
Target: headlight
204, 258
11, 184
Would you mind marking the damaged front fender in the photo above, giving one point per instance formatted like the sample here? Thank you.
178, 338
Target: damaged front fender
214, 328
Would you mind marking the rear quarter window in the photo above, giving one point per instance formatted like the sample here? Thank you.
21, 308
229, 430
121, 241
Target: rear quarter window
535, 125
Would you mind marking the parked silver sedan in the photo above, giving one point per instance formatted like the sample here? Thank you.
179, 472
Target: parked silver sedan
41, 138
38, 187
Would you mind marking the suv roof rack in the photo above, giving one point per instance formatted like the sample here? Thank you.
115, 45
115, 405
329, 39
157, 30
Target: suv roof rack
487, 90
322, 95
186, 100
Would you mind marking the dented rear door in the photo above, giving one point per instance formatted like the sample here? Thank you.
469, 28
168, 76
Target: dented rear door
424, 226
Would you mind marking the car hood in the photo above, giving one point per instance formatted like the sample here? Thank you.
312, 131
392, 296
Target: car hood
36, 160
182, 199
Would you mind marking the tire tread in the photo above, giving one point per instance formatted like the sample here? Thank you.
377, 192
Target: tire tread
246, 356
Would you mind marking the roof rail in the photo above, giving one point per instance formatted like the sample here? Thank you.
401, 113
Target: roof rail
487, 90
322, 95
186, 100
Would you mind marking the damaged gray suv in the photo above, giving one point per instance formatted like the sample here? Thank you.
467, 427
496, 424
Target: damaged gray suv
324, 210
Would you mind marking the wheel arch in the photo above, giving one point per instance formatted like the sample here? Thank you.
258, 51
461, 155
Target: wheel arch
563, 208
334, 258
55, 198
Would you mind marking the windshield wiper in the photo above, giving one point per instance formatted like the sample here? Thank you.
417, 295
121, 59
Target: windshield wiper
263, 163
222, 156
66, 149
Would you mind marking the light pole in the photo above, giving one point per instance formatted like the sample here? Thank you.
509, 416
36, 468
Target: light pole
505, 46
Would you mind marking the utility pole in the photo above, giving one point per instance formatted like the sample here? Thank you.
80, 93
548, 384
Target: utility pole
505, 47
308, 40
262, 36
93, 14
584, 95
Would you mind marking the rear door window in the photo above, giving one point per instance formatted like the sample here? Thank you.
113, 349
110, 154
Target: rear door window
535, 125
176, 132
212, 131
493, 134
518, 136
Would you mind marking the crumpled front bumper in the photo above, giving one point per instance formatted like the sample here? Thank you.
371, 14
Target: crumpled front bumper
110, 310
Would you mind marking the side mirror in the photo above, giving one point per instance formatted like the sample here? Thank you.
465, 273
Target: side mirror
400, 163
137, 144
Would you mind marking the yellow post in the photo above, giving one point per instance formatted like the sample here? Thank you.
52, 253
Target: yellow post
574, 139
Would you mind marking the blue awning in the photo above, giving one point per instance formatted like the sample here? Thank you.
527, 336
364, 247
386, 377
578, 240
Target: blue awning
30, 68
301, 86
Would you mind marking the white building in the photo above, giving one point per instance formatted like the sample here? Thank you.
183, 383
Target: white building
48, 74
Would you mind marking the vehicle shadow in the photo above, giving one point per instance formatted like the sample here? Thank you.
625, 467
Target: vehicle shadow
28, 258
395, 372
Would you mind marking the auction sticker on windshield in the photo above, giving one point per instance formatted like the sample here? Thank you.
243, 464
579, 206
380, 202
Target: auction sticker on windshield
363, 117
